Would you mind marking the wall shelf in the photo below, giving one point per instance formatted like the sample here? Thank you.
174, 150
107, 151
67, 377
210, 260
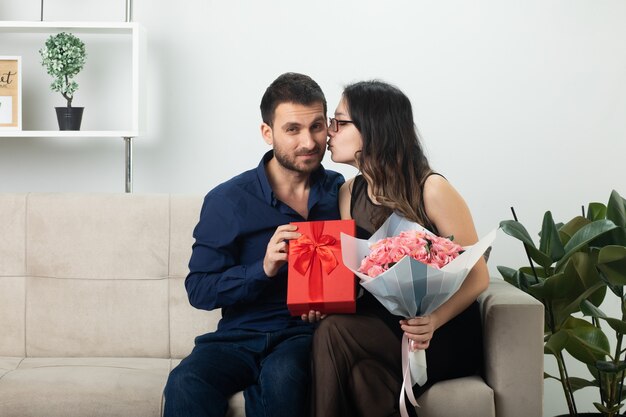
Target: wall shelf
67, 134
138, 47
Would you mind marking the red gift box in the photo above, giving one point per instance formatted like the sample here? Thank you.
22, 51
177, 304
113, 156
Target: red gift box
318, 279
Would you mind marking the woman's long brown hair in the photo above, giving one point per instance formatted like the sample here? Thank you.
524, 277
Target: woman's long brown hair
392, 159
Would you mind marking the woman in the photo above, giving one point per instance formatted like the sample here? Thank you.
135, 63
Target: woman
357, 358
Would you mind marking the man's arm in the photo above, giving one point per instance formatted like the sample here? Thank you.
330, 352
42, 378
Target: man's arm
216, 278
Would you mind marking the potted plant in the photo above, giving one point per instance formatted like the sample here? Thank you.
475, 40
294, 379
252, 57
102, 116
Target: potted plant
571, 271
63, 56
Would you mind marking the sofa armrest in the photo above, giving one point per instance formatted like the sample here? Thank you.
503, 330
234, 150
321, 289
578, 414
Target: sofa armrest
513, 325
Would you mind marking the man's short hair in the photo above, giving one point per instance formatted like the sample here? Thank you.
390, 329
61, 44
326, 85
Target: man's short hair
290, 87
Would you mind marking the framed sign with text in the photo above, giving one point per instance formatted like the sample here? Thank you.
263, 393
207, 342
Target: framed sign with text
10, 92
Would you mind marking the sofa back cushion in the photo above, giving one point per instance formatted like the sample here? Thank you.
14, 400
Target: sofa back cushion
98, 275
12, 274
186, 322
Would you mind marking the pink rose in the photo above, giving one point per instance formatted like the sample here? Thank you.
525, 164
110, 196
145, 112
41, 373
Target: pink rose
375, 270
429, 249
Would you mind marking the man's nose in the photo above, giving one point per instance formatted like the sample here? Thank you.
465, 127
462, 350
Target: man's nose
308, 141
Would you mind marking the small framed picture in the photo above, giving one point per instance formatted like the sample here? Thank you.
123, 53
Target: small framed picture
10, 93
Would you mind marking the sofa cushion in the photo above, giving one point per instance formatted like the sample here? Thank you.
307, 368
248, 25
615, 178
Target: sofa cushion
8, 364
67, 387
12, 322
187, 322
470, 393
98, 236
87, 317
97, 275
12, 234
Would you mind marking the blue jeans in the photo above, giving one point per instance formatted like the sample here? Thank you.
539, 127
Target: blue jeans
273, 370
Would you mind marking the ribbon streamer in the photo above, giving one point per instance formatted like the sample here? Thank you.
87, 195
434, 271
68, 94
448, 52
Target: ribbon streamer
413, 366
313, 255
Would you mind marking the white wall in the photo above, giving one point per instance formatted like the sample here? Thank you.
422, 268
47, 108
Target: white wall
520, 103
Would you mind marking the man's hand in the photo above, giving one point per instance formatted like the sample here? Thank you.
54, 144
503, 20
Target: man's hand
276, 253
313, 316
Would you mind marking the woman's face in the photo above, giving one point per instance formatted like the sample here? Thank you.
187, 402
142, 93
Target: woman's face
344, 138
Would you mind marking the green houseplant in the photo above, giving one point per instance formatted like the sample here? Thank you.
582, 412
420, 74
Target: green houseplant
64, 56
575, 266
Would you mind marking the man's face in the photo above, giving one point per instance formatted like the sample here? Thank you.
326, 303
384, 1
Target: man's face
298, 136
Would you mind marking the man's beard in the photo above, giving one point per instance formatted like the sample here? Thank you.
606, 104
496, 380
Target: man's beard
289, 163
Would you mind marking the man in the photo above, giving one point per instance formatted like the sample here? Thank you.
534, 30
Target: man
239, 260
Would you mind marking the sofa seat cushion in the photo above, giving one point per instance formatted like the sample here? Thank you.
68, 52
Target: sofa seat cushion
467, 397
8, 364
82, 387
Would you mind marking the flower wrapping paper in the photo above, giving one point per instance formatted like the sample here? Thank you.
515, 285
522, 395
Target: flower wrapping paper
317, 279
410, 288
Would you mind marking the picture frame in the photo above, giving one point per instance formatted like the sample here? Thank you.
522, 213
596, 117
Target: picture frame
10, 92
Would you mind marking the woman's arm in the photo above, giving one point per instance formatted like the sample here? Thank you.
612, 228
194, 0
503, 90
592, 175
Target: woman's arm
448, 211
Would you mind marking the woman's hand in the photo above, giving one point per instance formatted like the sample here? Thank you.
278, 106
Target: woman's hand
313, 316
419, 330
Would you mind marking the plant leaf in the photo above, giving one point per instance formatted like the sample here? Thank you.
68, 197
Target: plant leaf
550, 243
518, 231
578, 383
556, 343
612, 262
609, 367
615, 210
616, 324
585, 342
596, 211
568, 230
601, 408
547, 376
509, 275
583, 236
588, 309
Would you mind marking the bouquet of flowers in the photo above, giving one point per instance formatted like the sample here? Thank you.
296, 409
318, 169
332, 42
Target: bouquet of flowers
427, 248
410, 274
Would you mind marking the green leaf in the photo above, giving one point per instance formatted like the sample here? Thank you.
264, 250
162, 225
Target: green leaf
578, 383
540, 271
596, 211
568, 230
518, 231
550, 243
585, 342
575, 305
610, 367
589, 309
583, 268
548, 376
509, 275
583, 236
577, 281
615, 210
549, 288
616, 324
612, 263
601, 408
556, 343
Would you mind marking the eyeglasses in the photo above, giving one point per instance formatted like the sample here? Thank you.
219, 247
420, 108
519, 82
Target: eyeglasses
333, 124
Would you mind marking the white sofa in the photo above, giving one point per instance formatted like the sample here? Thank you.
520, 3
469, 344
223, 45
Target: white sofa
94, 314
